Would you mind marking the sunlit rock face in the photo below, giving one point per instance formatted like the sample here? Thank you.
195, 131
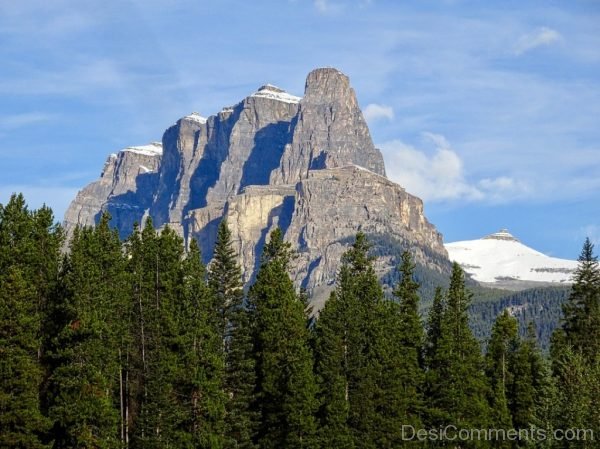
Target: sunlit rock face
305, 164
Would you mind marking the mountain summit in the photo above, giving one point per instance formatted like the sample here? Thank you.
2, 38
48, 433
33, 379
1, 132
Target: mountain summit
306, 164
502, 260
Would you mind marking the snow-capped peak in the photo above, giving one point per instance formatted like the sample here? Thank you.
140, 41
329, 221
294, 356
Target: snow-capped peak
275, 93
502, 234
500, 257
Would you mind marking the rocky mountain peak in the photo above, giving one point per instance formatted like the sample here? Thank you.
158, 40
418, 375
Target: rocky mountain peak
327, 84
502, 234
307, 165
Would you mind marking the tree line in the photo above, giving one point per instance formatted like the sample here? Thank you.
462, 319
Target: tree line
137, 344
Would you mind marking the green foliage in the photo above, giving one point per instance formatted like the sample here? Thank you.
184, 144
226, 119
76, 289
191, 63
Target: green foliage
21, 419
140, 346
285, 384
457, 388
225, 280
29, 258
500, 350
581, 323
83, 353
368, 356
576, 351
542, 306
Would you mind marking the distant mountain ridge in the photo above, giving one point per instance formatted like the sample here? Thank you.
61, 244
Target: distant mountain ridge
501, 260
306, 164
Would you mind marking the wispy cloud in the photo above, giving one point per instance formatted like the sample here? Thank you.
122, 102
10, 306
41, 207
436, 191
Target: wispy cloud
14, 121
374, 112
540, 37
440, 175
327, 6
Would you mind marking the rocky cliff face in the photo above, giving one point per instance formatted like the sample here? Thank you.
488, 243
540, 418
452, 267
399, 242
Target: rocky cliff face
307, 165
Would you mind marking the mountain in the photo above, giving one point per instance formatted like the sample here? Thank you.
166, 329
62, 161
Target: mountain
307, 165
501, 260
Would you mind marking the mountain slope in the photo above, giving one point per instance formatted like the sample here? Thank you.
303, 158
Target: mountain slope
502, 260
307, 165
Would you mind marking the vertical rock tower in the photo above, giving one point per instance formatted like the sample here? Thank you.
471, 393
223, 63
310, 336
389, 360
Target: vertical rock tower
307, 165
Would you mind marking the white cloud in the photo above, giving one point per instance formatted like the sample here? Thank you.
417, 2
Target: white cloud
325, 6
331, 7
539, 38
441, 176
374, 112
10, 122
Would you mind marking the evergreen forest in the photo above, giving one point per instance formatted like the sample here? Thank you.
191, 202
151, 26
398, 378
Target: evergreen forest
137, 344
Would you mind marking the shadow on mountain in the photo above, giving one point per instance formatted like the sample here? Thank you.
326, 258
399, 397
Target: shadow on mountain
171, 186
129, 208
208, 170
265, 156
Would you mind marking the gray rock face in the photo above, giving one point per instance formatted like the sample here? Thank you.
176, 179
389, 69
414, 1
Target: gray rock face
307, 165
330, 130
126, 189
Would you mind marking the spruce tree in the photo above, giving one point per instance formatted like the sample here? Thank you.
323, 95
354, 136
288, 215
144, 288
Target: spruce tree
434, 327
225, 280
285, 384
501, 347
367, 349
30, 243
581, 323
360, 291
410, 342
200, 349
331, 354
457, 386
156, 276
84, 382
21, 420
531, 393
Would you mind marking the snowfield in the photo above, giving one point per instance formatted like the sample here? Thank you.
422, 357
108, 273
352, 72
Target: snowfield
501, 257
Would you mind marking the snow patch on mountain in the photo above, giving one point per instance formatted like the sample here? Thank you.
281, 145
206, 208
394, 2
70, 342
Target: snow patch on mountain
275, 93
501, 257
153, 149
196, 117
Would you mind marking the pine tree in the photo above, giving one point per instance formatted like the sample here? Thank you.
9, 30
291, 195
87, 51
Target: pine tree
501, 347
358, 287
367, 351
581, 323
21, 420
531, 394
200, 348
434, 327
225, 279
573, 398
157, 278
410, 342
285, 382
84, 382
30, 243
457, 385
331, 354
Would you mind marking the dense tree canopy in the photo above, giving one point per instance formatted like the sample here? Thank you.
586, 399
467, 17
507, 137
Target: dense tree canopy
137, 344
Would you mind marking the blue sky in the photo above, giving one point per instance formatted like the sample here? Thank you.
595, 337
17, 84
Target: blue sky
490, 111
